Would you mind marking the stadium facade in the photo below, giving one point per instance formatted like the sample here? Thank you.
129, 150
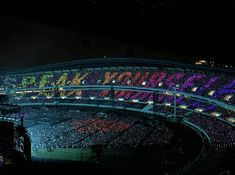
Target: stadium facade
197, 89
200, 97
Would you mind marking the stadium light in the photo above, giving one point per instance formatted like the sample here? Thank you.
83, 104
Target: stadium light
19, 92
106, 98
150, 102
211, 93
135, 100
34, 97
231, 119
121, 99
144, 83
215, 114
194, 89
92, 98
63, 97
198, 109
113, 81
183, 107
227, 97
167, 104
198, 63
168, 93
77, 97
160, 84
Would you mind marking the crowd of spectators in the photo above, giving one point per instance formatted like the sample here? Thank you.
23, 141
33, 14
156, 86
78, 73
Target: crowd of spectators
59, 129
222, 135
56, 127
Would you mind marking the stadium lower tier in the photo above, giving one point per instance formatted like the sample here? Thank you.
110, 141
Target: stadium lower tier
121, 134
67, 128
51, 128
91, 129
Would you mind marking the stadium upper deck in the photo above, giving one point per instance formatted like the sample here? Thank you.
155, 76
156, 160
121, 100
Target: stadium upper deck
198, 89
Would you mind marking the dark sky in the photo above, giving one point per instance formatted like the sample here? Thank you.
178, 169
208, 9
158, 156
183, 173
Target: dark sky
43, 31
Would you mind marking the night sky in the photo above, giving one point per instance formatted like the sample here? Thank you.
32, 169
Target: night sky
42, 32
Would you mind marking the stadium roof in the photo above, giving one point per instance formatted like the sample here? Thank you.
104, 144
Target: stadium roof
112, 62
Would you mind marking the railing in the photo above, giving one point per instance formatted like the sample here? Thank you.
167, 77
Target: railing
204, 151
130, 88
193, 97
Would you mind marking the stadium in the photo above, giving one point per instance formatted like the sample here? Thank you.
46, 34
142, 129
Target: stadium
115, 114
